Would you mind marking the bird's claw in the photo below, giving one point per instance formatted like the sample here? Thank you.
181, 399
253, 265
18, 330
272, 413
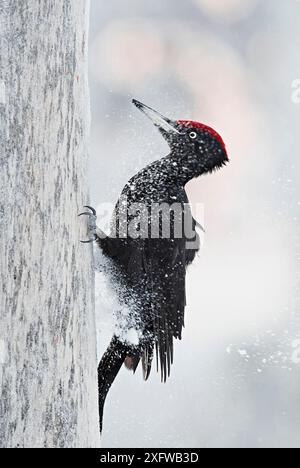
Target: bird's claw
92, 227
93, 211
89, 241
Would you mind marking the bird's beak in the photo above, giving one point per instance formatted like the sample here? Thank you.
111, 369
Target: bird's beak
166, 126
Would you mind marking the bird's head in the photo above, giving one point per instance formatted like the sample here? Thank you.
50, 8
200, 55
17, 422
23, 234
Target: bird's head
199, 148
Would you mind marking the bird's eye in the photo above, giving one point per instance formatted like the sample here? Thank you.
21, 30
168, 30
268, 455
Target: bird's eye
193, 135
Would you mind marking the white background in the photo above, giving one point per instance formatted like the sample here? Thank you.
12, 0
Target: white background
229, 64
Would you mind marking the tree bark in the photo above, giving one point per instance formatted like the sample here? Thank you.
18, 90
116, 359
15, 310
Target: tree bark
47, 325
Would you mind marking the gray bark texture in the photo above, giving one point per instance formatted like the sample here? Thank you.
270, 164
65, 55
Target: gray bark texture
47, 325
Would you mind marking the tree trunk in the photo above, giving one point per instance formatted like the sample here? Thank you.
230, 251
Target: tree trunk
47, 325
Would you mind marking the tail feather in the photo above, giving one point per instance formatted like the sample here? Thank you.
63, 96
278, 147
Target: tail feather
108, 370
147, 361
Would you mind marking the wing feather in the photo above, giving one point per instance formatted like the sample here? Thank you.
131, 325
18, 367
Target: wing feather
166, 292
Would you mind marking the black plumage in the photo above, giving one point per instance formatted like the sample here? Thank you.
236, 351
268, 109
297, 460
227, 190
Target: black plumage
149, 271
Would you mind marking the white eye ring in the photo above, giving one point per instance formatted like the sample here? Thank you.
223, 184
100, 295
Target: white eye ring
193, 135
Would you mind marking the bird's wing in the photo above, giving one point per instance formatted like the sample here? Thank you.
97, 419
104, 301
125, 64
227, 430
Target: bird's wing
155, 275
165, 266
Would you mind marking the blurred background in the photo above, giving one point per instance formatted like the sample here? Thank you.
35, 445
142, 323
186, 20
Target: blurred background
231, 65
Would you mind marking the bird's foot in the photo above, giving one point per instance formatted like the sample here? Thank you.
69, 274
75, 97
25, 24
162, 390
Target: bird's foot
92, 226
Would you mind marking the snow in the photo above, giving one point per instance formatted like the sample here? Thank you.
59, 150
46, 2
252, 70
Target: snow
248, 273
113, 317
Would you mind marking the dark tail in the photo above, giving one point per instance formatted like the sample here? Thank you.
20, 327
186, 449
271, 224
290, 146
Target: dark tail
108, 370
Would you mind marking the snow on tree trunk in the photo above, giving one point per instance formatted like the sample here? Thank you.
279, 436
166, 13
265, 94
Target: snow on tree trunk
47, 325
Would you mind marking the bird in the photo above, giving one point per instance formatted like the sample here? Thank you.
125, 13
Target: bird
148, 270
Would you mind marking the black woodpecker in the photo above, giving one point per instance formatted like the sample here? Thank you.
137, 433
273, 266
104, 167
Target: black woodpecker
149, 271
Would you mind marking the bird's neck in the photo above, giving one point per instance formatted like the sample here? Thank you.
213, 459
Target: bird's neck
176, 170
